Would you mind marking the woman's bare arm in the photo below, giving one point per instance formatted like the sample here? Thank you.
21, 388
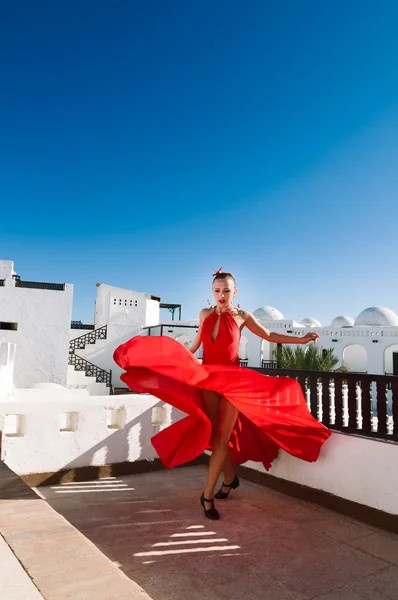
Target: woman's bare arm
271, 336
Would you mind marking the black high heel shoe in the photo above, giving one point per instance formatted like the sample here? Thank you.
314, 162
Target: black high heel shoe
211, 513
221, 495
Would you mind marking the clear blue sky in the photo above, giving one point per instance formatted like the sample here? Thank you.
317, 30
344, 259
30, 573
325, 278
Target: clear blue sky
143, 144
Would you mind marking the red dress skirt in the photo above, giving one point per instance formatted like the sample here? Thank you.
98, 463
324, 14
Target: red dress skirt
273, 412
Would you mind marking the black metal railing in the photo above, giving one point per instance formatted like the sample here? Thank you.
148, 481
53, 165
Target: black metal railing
269, 364
90, 370
243, 362
60, 287
350, 402
2, 282
80, 342
80, 325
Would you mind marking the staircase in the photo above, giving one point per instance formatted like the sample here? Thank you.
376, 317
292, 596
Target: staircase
92, 374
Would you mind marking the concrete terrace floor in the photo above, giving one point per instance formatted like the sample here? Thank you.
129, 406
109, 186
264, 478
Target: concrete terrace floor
266, 545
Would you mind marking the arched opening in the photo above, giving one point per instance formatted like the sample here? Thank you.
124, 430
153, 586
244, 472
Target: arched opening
268, 360
184, 340
391, 360
355, 358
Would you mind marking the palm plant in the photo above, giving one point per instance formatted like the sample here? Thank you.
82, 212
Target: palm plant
311, 358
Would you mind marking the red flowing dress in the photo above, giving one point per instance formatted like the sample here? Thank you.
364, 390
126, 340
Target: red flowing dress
273, 412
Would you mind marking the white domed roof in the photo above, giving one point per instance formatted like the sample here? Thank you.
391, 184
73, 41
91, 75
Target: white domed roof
267, 313
310, 322
377, 315
342, 321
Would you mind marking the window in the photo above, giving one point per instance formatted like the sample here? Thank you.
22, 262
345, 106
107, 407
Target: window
115, 418
9, 326
68, 421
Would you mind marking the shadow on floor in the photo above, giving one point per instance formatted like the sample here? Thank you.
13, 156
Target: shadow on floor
266, 545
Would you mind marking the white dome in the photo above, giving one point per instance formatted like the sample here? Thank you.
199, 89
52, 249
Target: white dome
342, 321
377, 315
267, 313
310, 322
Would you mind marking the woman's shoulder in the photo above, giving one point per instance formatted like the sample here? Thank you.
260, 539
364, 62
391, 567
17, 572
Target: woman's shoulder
205, 312
238, 311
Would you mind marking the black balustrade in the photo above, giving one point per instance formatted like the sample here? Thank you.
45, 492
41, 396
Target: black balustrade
350, 402
80, 325
269, 364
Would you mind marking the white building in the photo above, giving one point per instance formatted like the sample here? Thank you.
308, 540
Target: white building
49, 348
36, 317
119, 315
368, 344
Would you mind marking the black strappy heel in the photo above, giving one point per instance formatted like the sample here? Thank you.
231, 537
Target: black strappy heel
221, 495
211, 513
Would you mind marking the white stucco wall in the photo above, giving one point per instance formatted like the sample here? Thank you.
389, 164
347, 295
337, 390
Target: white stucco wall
7, 361
123, 307
42, 338
6, 270
74, 333
111, 430
355, 358
79, 380
152, 315
359, 469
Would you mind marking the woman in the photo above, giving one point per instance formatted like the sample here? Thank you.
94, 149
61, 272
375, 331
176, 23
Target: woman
238, 413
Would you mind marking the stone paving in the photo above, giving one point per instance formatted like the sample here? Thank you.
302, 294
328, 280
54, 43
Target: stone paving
15, 583
266, 546
42, 556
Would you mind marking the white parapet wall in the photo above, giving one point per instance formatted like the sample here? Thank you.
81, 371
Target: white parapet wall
46, 430
353, 467
50, 428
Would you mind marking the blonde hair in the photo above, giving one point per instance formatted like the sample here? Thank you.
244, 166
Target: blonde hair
225, 276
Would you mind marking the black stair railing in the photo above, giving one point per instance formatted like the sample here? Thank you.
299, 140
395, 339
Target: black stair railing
91, 337
90, 370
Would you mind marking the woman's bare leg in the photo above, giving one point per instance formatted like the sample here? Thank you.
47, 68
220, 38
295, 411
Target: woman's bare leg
210, 404
227, 415
228, 470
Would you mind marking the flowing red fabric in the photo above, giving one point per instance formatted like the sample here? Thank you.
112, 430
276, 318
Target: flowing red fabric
273, 412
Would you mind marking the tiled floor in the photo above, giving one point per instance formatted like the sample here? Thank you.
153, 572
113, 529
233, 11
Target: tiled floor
15, 583
43, 556
266, 546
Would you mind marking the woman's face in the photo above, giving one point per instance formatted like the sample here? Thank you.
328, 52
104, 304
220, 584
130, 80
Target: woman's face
223, 292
